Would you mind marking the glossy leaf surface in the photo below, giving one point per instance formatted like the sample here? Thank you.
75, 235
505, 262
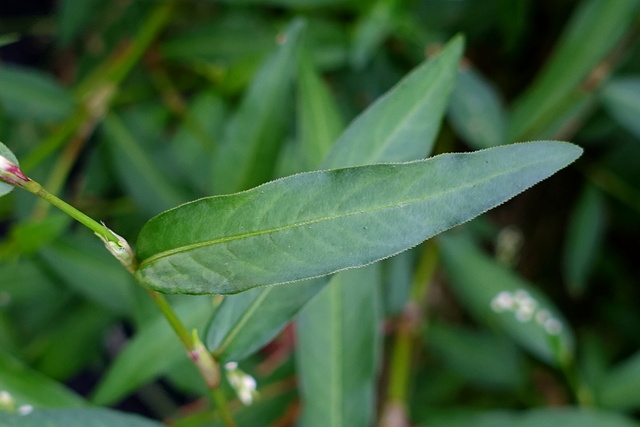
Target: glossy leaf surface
317, 223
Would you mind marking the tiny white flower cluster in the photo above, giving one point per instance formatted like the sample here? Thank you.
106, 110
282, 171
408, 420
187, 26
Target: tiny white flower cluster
525, 308
8, 404
244, 385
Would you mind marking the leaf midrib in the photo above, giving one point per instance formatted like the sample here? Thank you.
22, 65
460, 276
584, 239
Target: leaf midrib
219, 240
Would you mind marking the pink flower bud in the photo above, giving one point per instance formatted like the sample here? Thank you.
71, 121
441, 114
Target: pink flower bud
11, 173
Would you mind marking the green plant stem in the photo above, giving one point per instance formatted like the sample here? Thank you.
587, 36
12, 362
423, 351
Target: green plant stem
408, 328
99, 229
223, 407
171, 316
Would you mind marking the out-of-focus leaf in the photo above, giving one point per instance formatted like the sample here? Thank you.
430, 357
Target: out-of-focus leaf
149, 184
401, 125
32, 95
94, 417
28, 236
496, 362
292, 3
334, 352
584, 237
327, 42
29, 387
196, 139
74, 16
247, 321
622, 99
89, 269
251, 142
595, 28
371, 30
74, 340
476, 111
312, 224
153, 350
319, 121
499, 298
6, 153
227, 39
559, 417
620, 388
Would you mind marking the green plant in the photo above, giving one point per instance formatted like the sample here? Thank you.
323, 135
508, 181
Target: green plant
358, 195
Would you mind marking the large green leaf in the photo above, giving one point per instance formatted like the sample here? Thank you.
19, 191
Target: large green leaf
249, 148
251, 318
334, 352
317, 223
95, 417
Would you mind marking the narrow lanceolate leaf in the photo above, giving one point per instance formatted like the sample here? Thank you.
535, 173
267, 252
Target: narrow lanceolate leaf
584, 239
317, 223
594, 30
319, 122
338, 380
251, 142
476, 111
